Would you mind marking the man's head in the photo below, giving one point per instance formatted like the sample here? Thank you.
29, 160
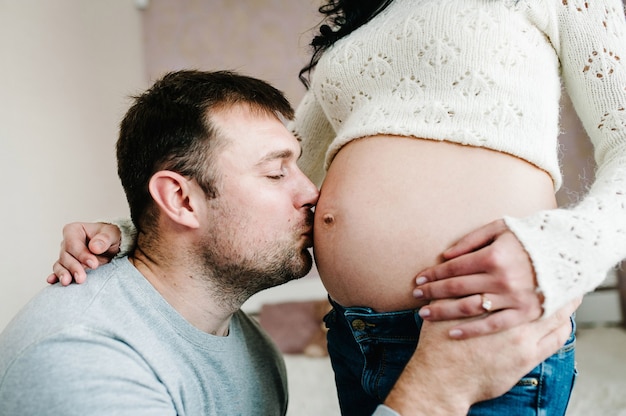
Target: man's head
205, 155
170, 127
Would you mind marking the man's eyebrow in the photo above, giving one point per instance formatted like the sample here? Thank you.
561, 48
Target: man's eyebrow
278, 154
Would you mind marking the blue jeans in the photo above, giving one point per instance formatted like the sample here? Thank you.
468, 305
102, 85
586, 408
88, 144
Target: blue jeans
368, 351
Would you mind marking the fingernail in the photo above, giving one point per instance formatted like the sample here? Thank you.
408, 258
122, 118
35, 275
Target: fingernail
98, 244
418, 293
421, 280
455, 333
92, 264
424, 313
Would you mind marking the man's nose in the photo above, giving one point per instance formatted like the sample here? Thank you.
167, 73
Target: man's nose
310, 193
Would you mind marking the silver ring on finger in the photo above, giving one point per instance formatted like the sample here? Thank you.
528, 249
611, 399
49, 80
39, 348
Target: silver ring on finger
485, 303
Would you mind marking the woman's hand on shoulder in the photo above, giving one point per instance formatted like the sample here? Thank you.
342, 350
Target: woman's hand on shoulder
85, 245
487, 273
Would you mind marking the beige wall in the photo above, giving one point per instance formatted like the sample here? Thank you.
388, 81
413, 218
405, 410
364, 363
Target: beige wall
578, 165
267, 39
66, 68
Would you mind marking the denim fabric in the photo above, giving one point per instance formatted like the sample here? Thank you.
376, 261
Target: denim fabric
368, 351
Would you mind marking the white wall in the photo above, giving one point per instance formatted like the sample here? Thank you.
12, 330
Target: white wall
66, 70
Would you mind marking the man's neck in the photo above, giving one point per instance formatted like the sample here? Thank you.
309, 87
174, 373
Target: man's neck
188, 293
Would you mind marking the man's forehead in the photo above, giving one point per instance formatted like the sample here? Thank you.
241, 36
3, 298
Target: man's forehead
259, 135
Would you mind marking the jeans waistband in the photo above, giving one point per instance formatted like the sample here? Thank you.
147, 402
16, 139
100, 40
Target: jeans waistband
367, 324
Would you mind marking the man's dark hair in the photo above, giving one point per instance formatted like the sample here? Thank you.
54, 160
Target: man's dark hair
169, 127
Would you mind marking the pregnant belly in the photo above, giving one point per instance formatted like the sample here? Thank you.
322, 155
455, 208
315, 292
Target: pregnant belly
389, 207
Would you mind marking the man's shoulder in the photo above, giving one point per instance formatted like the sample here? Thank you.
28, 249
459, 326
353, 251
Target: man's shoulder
57, 311
73, 370
70, 342
57, 303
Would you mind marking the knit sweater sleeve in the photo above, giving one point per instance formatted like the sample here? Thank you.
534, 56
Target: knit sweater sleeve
315, 133
128, 236
573, 248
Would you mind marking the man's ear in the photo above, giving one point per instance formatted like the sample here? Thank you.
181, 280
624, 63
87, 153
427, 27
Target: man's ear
173, 194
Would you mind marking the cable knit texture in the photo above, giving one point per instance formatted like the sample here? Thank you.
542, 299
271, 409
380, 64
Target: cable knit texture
488, 73
128, 237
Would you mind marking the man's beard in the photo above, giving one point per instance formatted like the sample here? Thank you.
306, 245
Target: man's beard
235, 279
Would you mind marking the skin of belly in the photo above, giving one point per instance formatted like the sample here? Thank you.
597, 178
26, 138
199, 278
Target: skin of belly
390, 205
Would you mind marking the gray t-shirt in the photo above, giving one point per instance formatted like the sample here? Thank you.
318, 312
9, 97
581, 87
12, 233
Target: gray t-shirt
114, 346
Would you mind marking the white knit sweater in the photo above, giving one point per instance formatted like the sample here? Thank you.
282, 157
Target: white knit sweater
488, 73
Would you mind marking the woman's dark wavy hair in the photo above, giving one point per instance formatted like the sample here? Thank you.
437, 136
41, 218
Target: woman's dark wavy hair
342, 17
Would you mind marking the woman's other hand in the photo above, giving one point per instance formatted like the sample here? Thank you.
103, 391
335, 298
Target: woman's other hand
85, 245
